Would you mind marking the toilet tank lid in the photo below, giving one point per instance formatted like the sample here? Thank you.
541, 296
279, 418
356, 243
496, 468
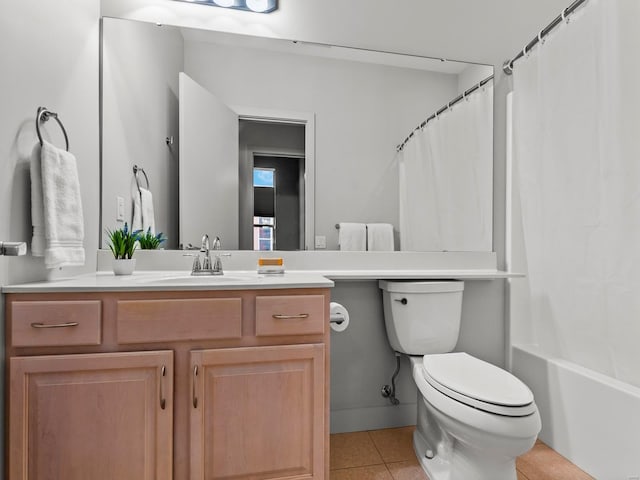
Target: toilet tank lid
422, 286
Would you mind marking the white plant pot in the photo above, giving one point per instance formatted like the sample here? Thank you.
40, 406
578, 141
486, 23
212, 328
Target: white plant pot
124, 266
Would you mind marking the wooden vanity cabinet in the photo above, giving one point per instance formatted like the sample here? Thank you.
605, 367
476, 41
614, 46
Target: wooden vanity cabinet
160, 385
97, 416
258, 412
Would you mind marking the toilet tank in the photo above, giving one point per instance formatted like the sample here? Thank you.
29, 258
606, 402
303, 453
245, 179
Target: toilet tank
422, 317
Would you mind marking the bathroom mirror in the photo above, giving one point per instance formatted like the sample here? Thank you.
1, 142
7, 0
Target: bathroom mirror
324, 121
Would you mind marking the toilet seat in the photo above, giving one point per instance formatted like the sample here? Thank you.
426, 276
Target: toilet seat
478, 384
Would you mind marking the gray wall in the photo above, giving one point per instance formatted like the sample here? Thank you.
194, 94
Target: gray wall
472, 75
139, 110
49, 55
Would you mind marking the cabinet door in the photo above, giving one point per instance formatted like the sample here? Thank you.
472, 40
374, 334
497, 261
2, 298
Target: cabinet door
258, 413
96, 416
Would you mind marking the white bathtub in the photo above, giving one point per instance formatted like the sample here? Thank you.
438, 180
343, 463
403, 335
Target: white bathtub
590, 418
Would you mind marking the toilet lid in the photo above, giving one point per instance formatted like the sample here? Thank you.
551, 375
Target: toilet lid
478, 384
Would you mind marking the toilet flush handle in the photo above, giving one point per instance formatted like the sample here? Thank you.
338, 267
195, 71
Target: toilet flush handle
401, 300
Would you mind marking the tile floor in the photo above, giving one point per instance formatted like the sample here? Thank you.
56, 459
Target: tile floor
388, 455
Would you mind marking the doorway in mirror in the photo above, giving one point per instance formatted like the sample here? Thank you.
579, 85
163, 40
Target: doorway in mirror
277, 202
272, 185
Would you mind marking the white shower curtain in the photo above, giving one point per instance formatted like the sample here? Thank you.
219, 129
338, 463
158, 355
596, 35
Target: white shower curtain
446, 179
577, 151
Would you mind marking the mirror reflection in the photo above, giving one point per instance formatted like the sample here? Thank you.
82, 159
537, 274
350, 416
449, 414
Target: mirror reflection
271, 144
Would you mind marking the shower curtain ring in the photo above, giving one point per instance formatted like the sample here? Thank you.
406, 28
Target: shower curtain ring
564, 16
540, 38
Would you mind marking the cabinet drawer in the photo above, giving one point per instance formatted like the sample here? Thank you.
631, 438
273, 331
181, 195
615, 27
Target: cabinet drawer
55, 323
141, 321
290, 315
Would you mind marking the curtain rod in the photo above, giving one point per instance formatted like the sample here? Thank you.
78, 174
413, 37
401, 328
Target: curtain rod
507, 66
444, 109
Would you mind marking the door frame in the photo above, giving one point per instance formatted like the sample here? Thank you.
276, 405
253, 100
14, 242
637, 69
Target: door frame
297, 118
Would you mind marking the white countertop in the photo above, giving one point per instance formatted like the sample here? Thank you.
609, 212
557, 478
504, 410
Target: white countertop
150, 280
418, 274
173, 280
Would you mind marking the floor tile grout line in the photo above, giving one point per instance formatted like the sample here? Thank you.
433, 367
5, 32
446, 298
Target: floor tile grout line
377, 449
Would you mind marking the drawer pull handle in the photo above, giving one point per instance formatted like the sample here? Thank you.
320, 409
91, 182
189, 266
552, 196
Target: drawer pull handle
54, 325
195, 378
163, 401
298, 316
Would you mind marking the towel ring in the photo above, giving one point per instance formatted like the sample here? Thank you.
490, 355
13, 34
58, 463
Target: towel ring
42, 116
137, 169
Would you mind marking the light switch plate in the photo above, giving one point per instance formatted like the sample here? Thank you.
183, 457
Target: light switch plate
321, 241
120, 209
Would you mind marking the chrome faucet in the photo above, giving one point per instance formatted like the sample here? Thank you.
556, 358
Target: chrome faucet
207, 267
206, 262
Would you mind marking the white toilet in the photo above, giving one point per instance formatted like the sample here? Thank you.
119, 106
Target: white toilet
474, 418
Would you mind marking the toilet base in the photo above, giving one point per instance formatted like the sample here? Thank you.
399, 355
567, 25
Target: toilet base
459, 466
453, 459
436, 468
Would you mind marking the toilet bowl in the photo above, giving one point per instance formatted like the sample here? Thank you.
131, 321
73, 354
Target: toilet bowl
468, 436
474, 418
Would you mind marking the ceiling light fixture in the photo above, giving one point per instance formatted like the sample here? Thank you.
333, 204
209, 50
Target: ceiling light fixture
258, 6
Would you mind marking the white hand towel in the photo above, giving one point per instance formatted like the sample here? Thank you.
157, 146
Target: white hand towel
37, 204
380, 237
353, 237
143, 214
136, 220
63, 220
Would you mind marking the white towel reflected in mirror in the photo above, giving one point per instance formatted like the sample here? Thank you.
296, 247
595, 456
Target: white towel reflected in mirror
143, 216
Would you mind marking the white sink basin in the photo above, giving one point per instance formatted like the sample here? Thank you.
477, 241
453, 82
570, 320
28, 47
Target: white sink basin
188, 279
205, 280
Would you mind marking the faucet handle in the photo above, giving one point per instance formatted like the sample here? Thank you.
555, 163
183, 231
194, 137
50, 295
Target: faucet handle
196, 261
217, 265
217, 245
196, 264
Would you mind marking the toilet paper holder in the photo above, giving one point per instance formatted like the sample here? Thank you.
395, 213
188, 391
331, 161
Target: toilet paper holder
338, 317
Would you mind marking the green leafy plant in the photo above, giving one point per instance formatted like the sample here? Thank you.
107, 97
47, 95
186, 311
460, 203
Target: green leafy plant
149, 241
122, 242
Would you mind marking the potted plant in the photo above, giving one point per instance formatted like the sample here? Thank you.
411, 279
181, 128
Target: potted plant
122, 243
149, 241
